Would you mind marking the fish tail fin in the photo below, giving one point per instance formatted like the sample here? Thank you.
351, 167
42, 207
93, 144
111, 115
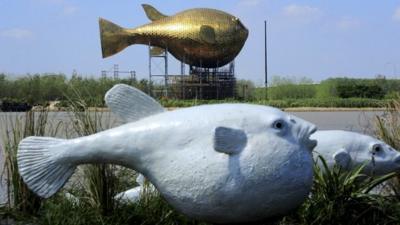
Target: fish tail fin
113, 38
39, 167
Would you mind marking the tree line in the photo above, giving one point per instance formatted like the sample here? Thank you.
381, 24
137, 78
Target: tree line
304, 88
39, 89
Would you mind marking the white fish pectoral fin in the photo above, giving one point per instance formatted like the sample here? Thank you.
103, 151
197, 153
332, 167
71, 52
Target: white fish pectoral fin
229, 140
39, 170
152, 13
207, 34
342, 158
131, 104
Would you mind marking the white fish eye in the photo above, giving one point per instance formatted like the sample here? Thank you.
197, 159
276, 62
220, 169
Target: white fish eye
376, 148
279, 125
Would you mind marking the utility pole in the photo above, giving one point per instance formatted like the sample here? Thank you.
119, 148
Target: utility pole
266, 59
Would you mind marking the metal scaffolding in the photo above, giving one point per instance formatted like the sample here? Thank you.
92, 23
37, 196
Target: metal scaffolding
157, 56
199, 83
116, 73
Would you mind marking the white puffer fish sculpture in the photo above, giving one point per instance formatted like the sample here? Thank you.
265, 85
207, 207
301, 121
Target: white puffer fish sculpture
350, 149
224, 163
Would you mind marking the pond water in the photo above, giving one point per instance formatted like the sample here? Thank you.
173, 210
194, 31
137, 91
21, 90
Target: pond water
359, 121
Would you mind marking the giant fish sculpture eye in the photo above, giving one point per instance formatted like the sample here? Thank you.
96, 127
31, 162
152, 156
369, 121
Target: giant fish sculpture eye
201, 37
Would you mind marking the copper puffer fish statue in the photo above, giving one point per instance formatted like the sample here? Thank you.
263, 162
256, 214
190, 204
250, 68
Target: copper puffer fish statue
200, 37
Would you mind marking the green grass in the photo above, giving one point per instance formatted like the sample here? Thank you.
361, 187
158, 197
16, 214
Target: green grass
287, 103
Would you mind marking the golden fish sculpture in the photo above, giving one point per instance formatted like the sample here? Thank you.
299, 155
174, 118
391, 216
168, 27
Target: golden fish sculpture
200, 37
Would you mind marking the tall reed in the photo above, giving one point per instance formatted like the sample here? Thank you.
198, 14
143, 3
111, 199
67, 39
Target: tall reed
101, 181
17, 127
388, 124
387, 128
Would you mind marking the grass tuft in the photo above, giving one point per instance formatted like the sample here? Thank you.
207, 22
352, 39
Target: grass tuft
343, 197
387, 128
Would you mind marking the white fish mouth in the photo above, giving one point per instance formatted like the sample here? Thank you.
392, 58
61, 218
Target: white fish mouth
311, 143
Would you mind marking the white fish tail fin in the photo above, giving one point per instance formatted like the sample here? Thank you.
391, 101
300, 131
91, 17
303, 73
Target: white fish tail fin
38, 167
114, 38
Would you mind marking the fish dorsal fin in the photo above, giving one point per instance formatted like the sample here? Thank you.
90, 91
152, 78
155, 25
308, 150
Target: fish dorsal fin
342, 158
131, 104
152, 13
229, 140
207, 34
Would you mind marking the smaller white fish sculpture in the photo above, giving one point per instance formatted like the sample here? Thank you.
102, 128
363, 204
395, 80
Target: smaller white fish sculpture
350, 149
132, 195
135, 194
225, 163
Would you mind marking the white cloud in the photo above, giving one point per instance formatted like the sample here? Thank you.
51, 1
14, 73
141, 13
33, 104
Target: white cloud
16, 33
69, 10
347, 23
302, 11
249, 2
396, 15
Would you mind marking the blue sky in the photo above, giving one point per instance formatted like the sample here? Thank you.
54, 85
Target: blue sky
316, 39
